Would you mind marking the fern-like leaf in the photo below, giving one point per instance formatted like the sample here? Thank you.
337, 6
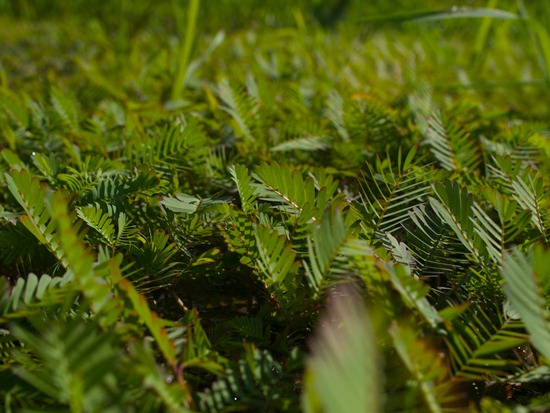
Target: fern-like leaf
527, 286
294, 195
437, 254
17, 243
530, 193
33, 197
327, 242
251, 328
242, 108
182, 203
65, 108
176, 145
313, 143
344, 373
99, 221
480, 343
242, 179
276, 258
32, 292
258, 383
391, 191
472, 226
451, 145
335, 113
240, 236
513, 222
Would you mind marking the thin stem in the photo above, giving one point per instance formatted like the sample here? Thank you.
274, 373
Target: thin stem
185, 48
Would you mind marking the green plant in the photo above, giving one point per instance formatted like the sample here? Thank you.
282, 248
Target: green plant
300, 212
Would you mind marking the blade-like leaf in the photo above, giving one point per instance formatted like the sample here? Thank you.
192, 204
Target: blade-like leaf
527, 285
437, 15
344, 374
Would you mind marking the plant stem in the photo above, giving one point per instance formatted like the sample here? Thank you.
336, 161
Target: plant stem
185, 48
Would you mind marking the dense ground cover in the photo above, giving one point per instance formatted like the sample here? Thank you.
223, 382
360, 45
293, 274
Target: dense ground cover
318, 206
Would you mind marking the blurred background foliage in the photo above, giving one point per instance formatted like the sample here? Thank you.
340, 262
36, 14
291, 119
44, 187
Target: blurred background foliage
500, 60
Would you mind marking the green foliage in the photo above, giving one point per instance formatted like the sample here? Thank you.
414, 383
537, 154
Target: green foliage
317, 206
527, 286
276, 260
258, 382
324, 247
344, 371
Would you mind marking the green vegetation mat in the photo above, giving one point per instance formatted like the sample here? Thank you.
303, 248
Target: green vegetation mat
274, 206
